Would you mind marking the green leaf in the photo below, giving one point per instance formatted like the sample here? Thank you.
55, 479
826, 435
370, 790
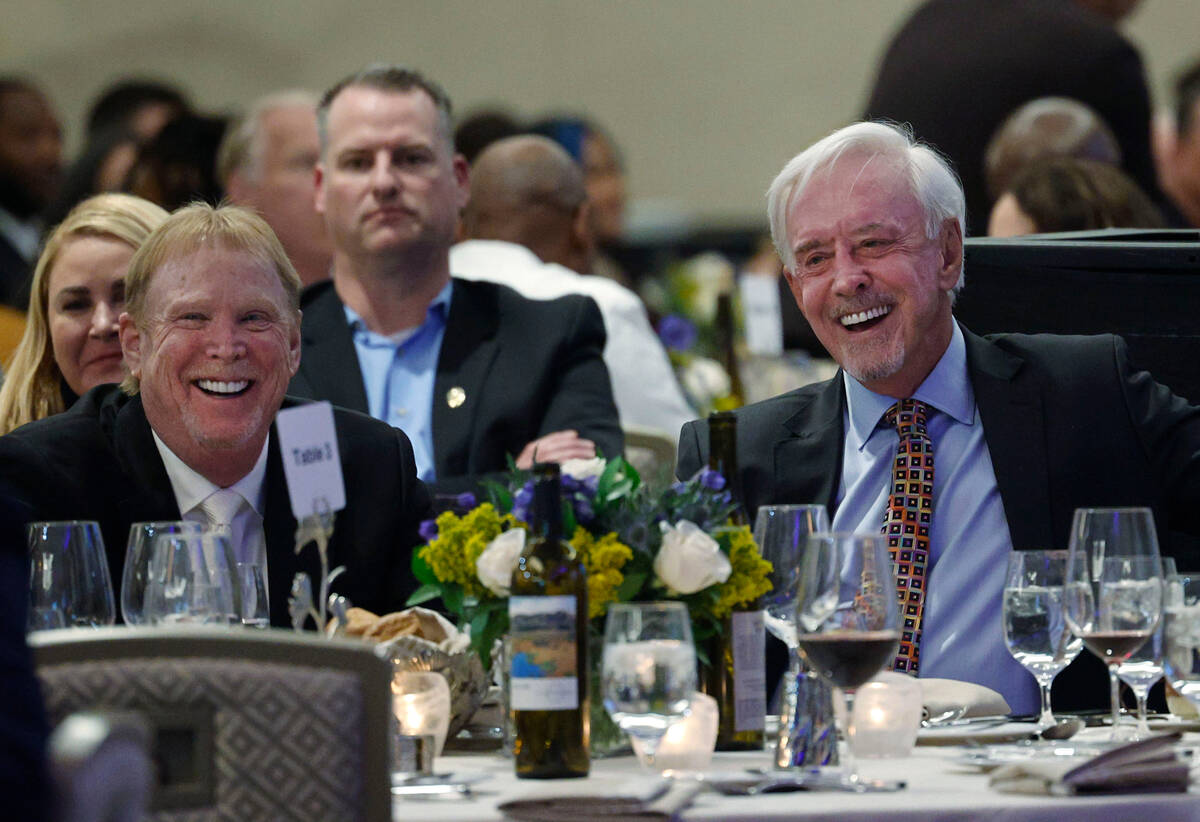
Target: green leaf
421, 569
452, 598
424, 594
631, 586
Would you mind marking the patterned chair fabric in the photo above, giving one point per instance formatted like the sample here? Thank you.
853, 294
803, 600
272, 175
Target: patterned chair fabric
288, 741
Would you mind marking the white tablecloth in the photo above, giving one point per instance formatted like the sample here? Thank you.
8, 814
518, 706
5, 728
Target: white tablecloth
938, 791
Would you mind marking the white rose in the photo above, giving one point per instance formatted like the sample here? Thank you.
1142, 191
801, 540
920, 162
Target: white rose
582, 469
705, 380
496, 564
689, 559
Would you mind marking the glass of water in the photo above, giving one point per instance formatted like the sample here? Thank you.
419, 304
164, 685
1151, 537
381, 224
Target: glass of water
1145, 666
1035, 629
649, 669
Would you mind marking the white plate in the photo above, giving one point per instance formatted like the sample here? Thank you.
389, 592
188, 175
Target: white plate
994, 756
440, 778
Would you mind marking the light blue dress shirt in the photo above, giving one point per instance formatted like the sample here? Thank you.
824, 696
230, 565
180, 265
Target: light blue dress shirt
962, 633
399, 371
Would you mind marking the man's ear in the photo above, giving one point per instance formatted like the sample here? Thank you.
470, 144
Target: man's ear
294, 346
131, 344
462, 177
319, 190
952, 254
581, 226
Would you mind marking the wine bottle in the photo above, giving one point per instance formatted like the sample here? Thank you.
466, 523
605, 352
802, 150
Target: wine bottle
547, 612
736, 675
726, 326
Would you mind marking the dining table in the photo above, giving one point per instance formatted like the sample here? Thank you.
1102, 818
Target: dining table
940, 787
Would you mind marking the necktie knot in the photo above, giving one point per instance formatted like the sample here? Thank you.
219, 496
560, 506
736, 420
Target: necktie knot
908, 417
221, 507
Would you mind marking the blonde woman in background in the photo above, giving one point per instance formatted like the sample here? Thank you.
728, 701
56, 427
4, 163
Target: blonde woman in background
70, 343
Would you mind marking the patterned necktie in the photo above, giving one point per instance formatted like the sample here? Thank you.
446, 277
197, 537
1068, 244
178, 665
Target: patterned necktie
907, 520
221, 509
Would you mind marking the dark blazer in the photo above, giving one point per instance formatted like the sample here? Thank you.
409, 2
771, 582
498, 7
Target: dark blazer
1068, 422
15, 273
98, 461
526, 367
957, 68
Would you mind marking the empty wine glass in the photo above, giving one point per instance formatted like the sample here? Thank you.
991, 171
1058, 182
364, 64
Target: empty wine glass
191, 580
1112, 597
1035, 630
1181, 637
848, 619
1145, 665
649, 669
69, 583
137, 564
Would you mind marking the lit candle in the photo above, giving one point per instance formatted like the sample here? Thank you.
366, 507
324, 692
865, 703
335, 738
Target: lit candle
688, 744
887, 716
421, 703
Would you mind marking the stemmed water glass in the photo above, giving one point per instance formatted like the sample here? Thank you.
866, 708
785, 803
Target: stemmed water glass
69, 583
649, 669
137, 564
848, 619
1181, 637
1035, 630
1112, 597
191, 580
781, 532
1145, 665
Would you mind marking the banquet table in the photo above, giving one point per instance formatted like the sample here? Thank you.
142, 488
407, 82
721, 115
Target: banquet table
939, 790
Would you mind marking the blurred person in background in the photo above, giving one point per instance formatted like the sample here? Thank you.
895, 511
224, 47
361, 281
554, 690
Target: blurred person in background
70, 343
957, 68
1046, 127
1067, 194
141, 107
102, 166
481, 128
179, 165
30, 173
604, 178
1178, 150
266, 161
527, 227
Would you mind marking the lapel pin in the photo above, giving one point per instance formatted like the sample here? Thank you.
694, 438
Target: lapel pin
455, 397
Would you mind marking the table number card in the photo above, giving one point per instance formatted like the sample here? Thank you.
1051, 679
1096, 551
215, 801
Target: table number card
311, 463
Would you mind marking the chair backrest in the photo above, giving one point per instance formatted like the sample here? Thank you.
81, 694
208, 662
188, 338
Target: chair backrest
246, 724
651, 452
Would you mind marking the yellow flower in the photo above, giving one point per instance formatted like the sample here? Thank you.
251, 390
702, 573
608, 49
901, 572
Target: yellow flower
459, 543
603, 558
750, 577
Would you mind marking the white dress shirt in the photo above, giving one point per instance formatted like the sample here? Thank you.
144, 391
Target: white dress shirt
191, 490
644, 386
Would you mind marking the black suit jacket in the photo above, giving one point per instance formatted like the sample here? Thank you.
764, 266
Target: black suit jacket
526, 367
957, 68
15, 273
98, 461
1068, 421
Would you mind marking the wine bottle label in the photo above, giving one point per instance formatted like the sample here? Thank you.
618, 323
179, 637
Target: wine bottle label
749, 646
542, 634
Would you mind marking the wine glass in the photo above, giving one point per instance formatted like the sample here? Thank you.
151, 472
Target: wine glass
848, 619
137, 564
190, 580
69, 583
649, 669
781, 532
255, 609
1112, 597
1181, 637
1035, 630
1145, 665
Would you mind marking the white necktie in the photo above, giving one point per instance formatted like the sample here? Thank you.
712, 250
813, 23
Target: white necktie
229, 510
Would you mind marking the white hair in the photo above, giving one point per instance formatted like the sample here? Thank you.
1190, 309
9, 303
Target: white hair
242, 146
933, 182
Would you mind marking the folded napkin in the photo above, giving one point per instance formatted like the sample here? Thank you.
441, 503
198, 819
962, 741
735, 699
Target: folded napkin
660, 801
1147, 766
945, 699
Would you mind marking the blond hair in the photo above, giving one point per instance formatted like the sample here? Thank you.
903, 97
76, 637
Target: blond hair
33, 381
197, 226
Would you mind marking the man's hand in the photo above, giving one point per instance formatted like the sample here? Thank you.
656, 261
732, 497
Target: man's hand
556, 447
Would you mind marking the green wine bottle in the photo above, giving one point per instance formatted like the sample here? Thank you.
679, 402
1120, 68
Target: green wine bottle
736, 675
548, 613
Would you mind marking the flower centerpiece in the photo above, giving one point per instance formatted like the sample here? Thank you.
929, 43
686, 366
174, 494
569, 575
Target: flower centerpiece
636, 544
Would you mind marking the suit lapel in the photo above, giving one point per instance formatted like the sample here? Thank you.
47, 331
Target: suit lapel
330, 363
469, 347
151, 498
1014, 425
808, 463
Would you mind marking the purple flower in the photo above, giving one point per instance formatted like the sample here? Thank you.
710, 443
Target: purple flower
428, 530
678, 488
465, 501
677, 332
522, 500
712, 480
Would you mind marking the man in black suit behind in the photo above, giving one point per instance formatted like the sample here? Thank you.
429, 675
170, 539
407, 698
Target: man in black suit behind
211, 337
471, 371
1024, 429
